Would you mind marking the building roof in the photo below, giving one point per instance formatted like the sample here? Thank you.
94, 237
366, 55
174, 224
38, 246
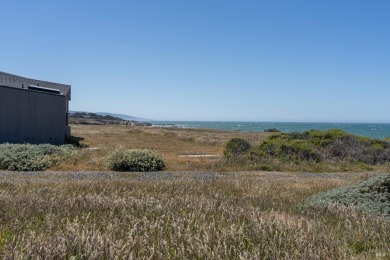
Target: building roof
14, 81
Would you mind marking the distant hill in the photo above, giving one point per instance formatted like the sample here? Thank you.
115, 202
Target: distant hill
125, 117
88, 118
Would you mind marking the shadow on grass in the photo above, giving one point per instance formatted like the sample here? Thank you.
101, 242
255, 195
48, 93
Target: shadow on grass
75, 141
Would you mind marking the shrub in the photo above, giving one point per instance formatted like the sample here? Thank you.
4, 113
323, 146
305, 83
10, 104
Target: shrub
272, 130
372, 195
138, 160
28, 157
236, 147
359, 149
324, 138
332, 146
287, 147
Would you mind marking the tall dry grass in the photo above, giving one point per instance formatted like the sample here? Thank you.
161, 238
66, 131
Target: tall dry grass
173, 215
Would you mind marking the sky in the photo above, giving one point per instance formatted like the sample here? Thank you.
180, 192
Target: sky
208, 60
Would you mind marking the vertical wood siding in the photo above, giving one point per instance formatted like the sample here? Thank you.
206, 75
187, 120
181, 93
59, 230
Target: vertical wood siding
32, 117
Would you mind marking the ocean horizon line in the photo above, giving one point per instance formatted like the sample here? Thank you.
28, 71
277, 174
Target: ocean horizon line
373, 130
295, 122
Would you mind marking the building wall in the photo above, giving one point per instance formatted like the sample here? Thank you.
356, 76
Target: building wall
32, 117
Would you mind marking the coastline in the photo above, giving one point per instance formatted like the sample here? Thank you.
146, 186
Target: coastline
372, 130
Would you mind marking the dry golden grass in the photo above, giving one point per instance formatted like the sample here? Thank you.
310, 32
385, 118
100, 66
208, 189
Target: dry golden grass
250, 215
178, 214
170, 142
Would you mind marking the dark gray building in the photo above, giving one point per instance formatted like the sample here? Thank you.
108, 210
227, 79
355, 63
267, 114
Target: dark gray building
33, 111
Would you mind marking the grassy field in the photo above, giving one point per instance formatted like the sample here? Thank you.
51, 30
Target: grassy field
186, 150
172, 215
177, 146
201, 207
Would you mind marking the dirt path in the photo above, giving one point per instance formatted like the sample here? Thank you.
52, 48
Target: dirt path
59, 176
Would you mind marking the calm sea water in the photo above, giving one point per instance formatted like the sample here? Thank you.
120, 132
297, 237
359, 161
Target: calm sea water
374, 130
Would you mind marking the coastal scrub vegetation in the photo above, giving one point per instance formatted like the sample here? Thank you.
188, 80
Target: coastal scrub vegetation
317, 151
333, 146
371, 196
236, 147
28, 157
208, 150
137, 160
203, 150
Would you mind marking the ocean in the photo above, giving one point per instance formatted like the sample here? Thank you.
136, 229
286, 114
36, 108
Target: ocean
373, 130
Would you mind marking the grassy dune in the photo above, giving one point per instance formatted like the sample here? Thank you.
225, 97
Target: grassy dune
175, 215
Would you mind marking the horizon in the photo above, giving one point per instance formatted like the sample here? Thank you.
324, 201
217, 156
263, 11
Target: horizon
282, 122
232, 121
258, 61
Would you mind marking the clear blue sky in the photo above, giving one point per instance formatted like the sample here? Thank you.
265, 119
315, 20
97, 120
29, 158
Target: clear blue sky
263, 60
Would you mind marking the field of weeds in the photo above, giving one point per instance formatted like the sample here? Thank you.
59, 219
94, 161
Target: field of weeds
182, 149
186, 150
164, 215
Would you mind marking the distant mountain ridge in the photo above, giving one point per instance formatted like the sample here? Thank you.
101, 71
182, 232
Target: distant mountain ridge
125, 117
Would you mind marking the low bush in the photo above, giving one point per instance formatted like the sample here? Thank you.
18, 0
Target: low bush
324, 138
28, 157
372, 196
272, 130
138, 160
292, 147
236, 147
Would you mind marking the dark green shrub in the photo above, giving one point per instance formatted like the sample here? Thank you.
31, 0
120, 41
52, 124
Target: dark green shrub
138, 160
288, 146
359, 149
300, 150
272, 130
324, 138
297, 136
236, 147
28, 157
372, 195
